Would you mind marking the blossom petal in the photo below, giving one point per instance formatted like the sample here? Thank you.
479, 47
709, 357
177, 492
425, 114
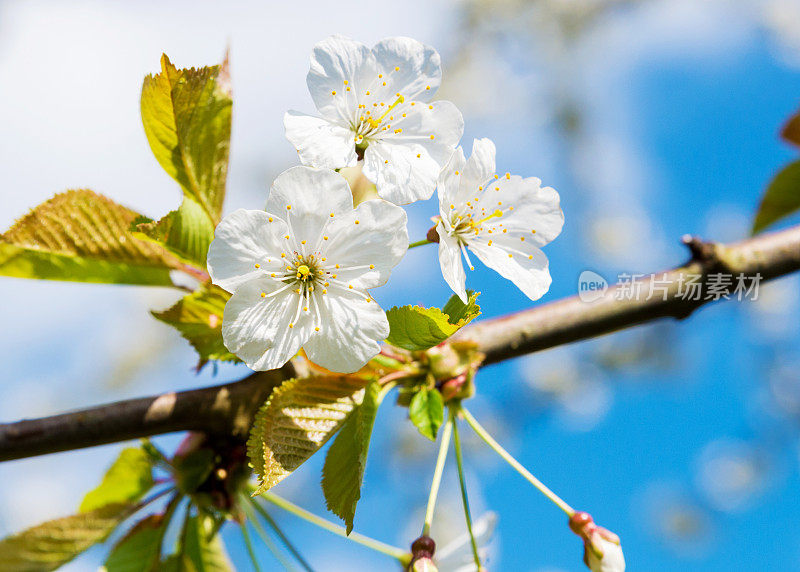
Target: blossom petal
319, 142
436, 126
256, 328
449, 184
350, 332
535, 208
521, 262
244, 247
305, 197
612, 559
481, 164
420, 67
450, 261
403, 173
371, 247
335, 60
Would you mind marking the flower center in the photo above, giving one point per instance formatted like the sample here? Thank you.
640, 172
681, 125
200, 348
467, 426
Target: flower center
369, 125
303, 273
463, 224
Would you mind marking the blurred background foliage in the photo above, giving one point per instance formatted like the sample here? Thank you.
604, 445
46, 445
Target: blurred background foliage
653, 118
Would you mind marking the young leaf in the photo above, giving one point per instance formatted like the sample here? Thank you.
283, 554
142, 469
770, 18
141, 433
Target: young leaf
198, 317
82, 236
202, 548
126, 481
426, 412
347, 458
781, 198
187, 119
186, 233
138, 550
54, 543
193, 469
461, 313
415, 328
299, 418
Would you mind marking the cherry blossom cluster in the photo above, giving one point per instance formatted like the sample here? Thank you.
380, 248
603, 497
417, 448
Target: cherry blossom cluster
300, 273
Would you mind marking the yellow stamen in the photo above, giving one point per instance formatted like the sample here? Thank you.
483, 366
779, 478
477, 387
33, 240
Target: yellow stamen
376, 122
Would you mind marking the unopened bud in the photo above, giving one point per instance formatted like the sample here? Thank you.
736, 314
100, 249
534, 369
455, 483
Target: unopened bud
444, 361
602, 551
422, 550
459, 387
423, 565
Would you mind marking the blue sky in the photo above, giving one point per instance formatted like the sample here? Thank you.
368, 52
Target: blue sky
690, 456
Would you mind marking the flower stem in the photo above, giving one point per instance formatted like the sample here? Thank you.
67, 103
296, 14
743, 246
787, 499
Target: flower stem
422, 242
483, 434
270, 544
249, 545
463, 484
444, 445
401, 555
285, 539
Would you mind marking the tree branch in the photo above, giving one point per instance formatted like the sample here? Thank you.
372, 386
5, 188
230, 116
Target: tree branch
229, 408
569, 320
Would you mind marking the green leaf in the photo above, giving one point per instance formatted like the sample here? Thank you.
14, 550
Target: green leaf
202, 548
54, 543
416, 328
126, 481
193, 469
299, 418
186, 233
781, 198
139, 549
83, 237
460, 313
346, 460
426, 412
198, 317
187, 119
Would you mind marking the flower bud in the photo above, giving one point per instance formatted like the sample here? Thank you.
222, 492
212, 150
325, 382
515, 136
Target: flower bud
422, 550
424, 564
602, 551
453, 365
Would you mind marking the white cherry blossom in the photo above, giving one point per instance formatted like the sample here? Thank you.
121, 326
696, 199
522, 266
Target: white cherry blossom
300, 273
503, 220
375, 103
